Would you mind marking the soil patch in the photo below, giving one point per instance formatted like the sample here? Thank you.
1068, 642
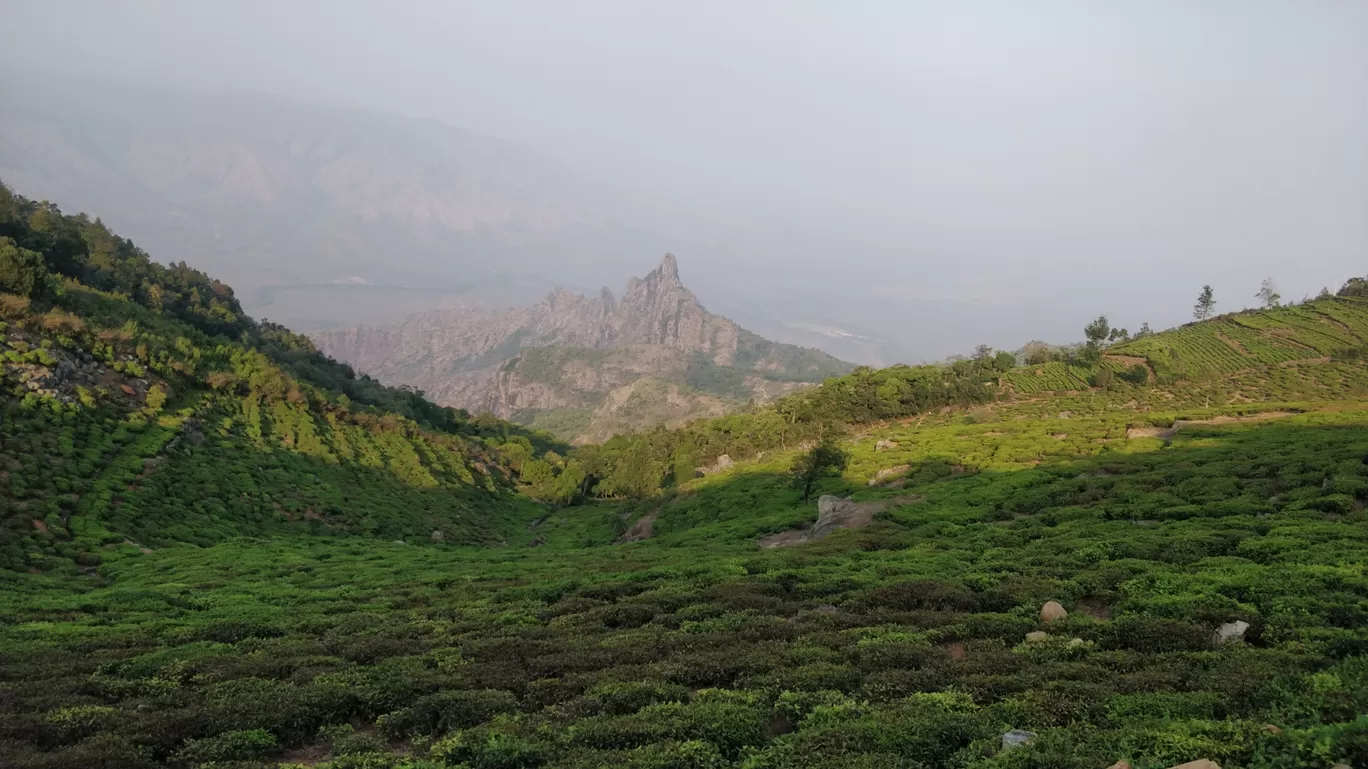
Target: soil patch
1167, 433
644, 528
1093, 607
851, 515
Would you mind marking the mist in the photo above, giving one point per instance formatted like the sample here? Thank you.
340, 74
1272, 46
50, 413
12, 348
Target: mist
940, 174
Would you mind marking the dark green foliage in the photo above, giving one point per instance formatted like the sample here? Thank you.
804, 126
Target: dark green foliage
825, 458
24, 272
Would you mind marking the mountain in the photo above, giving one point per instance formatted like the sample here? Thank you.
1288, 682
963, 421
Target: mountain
585, 367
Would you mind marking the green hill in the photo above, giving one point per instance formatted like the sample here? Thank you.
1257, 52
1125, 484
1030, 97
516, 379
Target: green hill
222, 550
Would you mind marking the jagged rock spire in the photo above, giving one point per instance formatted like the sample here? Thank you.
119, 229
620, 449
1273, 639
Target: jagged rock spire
669, 268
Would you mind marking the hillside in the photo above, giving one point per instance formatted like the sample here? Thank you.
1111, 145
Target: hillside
1313, 332
223, 550
586, 367
143, 409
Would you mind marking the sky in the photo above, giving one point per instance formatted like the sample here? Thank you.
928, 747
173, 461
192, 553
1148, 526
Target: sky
1095, 154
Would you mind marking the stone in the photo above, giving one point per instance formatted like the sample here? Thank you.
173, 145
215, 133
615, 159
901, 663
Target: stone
885, 445
1123, 764
1051, 611
1017, 738
1037, 636
437, 535
722, 462
1341, 766
1203, 763
1074, 643
832, 511
1230, 631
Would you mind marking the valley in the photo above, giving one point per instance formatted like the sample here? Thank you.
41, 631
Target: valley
224, 549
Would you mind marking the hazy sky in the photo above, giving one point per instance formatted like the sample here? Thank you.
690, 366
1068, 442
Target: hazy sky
1038, 152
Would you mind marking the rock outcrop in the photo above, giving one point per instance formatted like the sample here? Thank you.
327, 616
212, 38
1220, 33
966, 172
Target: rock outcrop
554, 354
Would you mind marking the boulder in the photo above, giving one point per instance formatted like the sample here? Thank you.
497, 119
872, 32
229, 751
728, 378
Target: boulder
1051, 611
1037, 636
437, 535
833, 512
722, 462
1122, 764
885, 445
1017, 738
1230, 631
1203, 763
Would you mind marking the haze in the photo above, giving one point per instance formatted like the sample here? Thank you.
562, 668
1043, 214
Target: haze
937, 174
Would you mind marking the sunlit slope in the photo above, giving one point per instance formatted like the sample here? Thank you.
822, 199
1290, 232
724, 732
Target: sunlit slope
1332, 328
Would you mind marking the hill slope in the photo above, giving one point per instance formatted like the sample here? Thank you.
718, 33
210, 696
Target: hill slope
240, 600
571, 362
142, 407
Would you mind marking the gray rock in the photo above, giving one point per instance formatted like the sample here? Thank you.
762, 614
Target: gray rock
437, 535
722, 462
1037, 636
833, 512
1017, 738
1230, 631
885, 445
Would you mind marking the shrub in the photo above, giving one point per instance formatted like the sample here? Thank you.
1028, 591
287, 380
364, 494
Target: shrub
229, 746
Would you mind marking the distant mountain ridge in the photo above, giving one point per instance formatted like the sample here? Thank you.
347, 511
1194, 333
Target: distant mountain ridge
497, 361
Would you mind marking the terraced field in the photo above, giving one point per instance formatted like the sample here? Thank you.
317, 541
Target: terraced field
1324, 328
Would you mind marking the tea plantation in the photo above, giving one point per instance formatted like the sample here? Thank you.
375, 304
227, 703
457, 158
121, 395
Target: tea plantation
221, 550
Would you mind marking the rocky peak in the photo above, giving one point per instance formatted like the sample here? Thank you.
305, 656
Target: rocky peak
658, 309
669, 268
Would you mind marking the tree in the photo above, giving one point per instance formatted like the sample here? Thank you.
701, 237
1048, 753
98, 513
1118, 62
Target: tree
1004, 361
982, 352
1356, 287
822, 459
1144, 331
1097, 331
637, 474
23, 272
156, 399
1096, 334
1036, 353
1206, 303
1268, 294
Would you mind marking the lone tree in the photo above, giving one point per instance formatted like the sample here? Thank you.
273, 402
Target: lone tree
1355, 287
1097, 331
822, 459
1205, 304
1268, 294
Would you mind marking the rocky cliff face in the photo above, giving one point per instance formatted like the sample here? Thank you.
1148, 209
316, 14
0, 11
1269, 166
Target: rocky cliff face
471, 358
